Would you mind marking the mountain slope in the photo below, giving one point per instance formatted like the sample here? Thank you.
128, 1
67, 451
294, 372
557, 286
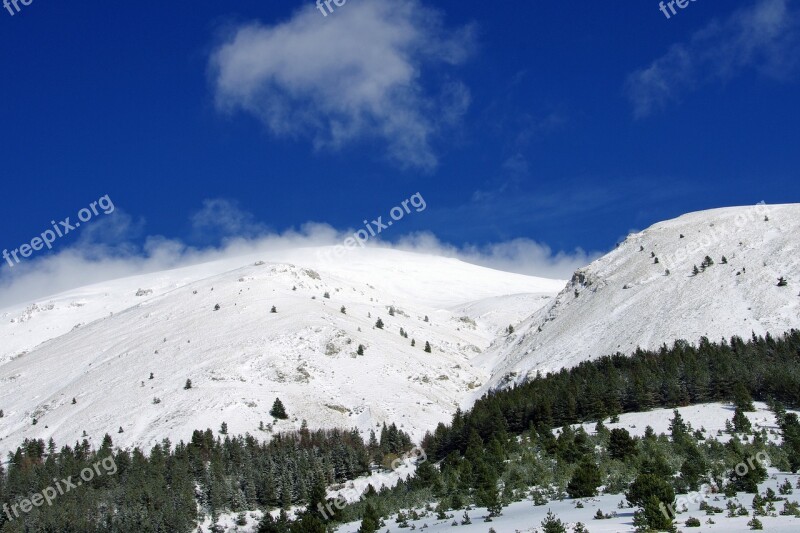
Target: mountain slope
626, 299
100, 344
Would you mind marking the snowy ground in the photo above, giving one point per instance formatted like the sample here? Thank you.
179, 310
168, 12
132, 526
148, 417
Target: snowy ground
709, 418
524, 517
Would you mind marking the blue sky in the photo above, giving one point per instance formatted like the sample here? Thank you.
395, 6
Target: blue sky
559, 125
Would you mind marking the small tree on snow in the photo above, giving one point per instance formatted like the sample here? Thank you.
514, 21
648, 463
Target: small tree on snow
379, 324
427, 347
278, 410
360, 350
782, 282
343, 310
551, 524
188, 384
273, 310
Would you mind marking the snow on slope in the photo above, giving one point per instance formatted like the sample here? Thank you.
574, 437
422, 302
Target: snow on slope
626, 300
100, 344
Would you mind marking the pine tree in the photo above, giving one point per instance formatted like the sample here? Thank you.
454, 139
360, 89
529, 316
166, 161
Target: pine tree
391, 310
782, 282
427, 347
278, 410
695, 270
742, 398
360, 350
379, 324
223, 429
413, 343
343, 310
741, 424
327, 295
620, 444
585, 481
652, 493
188, 384
551, 524
371, 520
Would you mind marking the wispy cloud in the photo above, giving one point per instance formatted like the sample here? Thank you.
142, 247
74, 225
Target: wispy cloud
762, 37
354, 75
222, 218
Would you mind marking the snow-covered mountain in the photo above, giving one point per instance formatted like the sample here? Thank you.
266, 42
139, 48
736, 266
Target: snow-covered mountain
100, 344
645, 293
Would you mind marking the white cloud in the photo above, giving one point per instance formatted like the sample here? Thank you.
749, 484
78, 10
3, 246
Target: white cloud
353, 75
763, 37
523, 256
220, 217
90, 261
